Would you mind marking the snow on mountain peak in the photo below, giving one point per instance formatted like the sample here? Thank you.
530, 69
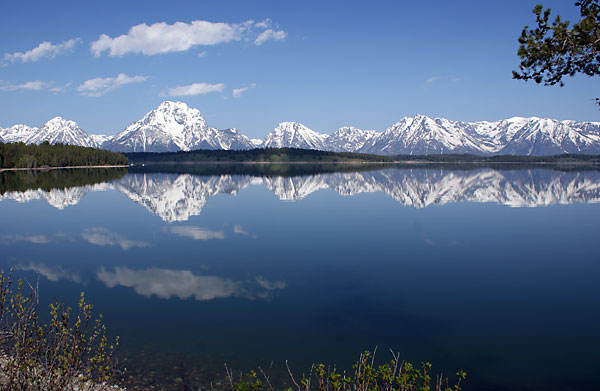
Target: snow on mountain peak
58, 130
170, 105
295, 135
174, 126
350, 139
56, 123
17, 133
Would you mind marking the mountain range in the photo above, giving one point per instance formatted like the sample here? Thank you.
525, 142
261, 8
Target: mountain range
173, 126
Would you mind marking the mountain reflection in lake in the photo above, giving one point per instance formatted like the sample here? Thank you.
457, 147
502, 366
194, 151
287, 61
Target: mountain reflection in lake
491, 271
177, 197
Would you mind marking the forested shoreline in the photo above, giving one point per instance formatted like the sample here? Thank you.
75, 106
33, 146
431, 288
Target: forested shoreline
296, 155
20, 155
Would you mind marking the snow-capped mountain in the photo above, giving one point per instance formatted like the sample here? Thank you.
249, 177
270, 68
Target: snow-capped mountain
515, 136
100, 139
174, 126
421, 135
350, 139
541, 136
295, 135
59, 130
17, 133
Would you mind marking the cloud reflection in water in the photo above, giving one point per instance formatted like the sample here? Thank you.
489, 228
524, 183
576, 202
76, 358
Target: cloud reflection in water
103, 237
197, 233
52, 273
35, 239
183, 284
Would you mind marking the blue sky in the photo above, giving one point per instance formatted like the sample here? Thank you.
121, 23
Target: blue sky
326, 64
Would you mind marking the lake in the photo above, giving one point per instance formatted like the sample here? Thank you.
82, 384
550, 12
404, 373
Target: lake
493, 271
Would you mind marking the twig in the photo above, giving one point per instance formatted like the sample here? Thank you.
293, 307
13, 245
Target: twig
266, 377
292, 376
229, 377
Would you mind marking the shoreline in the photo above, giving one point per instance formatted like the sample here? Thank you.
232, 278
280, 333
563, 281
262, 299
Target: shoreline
355, 163
61, 168
407, 162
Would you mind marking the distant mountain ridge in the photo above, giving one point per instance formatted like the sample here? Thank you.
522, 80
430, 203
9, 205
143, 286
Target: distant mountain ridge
57, 130
174, 126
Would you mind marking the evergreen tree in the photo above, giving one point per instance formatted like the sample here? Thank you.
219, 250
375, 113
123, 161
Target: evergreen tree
553, 50
19, 155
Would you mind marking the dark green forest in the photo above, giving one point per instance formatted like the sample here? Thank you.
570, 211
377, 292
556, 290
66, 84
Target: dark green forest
19, 155
295, 155
271, 155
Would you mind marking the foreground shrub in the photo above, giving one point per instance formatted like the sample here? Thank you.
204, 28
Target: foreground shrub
70, 352
396, 375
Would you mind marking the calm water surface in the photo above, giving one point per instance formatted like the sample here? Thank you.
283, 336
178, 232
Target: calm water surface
494, 272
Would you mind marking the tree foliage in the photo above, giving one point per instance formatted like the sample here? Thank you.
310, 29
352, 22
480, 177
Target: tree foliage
271, 155
20, 155
396, 375
70, 352
552, 50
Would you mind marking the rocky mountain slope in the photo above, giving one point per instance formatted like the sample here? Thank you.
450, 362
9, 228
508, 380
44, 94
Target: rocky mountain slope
57, 130
173, 126
17, 133
420, 135
295, 135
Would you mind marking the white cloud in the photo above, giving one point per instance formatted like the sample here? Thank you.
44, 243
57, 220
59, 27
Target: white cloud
159, 38
102, 85
43, 50
270, 34
197, 233
61, 88
36, 85
52, 273
239, 91
102, 237
264, 24
195, 89
164, 38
